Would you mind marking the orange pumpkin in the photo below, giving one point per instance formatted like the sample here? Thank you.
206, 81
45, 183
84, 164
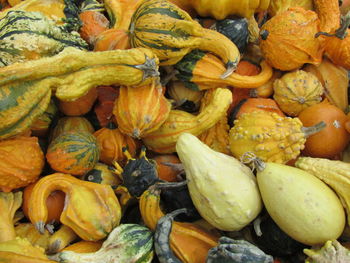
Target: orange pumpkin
93, 24
287, 40
21, 162
166, 172
111, 142
112, 39
54, 203
333, 139
105, 103
79, 106
254, 104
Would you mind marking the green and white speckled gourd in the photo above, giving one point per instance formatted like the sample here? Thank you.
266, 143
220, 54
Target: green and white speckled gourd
223, 190
126, 243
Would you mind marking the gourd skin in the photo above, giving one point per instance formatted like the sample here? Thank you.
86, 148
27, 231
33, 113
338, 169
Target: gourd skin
223, 190
301, 205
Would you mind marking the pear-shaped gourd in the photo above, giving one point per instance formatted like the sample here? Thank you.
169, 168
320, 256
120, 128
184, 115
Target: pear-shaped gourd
223, 190
301, 204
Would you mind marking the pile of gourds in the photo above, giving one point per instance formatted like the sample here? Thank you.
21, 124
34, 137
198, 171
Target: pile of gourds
174, 131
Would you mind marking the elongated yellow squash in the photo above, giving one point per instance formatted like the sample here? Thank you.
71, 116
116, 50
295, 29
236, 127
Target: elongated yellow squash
301, 204
223, 190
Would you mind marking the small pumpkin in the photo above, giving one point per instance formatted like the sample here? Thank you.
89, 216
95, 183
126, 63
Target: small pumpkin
54, 203
296, 91
111, 141
21, 162
74, 152
287, 40
79, 106
334, 138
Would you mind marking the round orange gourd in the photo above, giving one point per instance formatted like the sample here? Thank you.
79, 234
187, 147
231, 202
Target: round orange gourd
111, 142
79, 106
254, 104
333, 139
166, 172
287, 40
54, 203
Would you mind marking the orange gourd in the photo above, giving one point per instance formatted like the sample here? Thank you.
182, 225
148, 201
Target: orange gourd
287, 40
256, 104
54, 203
112, 39
333, 139
111, 142
167, 172
79, 106
93, 24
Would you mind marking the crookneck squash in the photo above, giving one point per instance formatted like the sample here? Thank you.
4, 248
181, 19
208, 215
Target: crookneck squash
92, 210
73, 152
189, 242
21, 162
201, 70
141, 110
171, 33
164, 139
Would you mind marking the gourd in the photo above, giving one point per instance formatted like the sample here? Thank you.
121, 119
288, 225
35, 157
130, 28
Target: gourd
188, 241
216, 187
54, 204
164, 139
112, 39
177, 35
296, 91
269, 136
224, 8
105, 103
315, 213
102, 174
30, 35
237, 251
201, 70
11, 257
334, 173
9, 203
84, 246
166, 166
287, 39
111, 141
41, 126
60, 239
328, 13
89, 219
73, 152
235, 29
334, 80
277, 6
140, 119
333, 139
28, 231
126, 243
331, 251
79, 106
19, 169
66, 124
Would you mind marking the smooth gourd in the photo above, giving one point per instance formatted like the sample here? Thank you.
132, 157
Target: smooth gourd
223, 190
301, 205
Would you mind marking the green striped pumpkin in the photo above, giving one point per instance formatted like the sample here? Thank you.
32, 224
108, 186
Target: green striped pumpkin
126, 243
73, 152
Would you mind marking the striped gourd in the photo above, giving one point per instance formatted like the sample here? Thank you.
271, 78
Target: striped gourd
201, 70
171, 33
74, 152
126, 243
30, 35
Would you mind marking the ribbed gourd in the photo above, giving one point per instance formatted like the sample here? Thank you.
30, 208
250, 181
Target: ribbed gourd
296, 91
171, 33
269, 136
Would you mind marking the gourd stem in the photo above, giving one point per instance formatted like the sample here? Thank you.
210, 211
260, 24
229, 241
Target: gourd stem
341, 32
308, 131
253, 160
257, 228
